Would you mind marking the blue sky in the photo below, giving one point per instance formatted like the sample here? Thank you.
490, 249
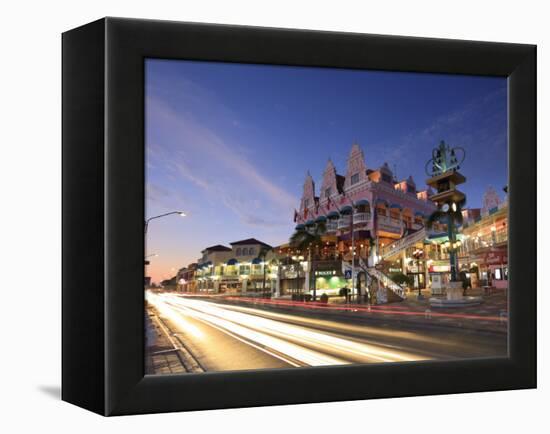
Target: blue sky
230, 143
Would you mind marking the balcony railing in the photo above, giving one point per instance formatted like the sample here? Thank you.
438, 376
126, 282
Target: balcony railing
344, 222
389, 224
332, 225
361, 217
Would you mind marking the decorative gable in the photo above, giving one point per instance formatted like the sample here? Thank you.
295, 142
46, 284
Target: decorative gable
329, 186
308, 195
491, 200
356, 169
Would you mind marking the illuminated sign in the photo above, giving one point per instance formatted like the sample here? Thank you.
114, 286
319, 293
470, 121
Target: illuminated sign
440, 268
325, 273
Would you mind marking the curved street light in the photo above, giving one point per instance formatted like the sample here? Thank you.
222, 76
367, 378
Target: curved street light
146, 225
181, 213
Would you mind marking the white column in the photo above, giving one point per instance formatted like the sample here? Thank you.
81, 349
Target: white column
278, 287
306, 280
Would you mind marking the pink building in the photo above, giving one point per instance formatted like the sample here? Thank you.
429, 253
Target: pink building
380, 205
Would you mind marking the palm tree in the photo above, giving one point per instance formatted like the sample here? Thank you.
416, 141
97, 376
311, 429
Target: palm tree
307, 238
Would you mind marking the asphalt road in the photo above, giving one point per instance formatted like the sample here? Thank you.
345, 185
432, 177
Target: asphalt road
231, 337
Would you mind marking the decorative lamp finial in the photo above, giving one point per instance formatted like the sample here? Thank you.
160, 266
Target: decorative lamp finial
445, 159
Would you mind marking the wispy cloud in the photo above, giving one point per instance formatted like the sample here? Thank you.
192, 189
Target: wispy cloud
166, 198
199, 155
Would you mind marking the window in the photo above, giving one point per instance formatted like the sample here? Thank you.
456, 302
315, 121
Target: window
238, 251
354, 178
306, 203
328, 192
251, 251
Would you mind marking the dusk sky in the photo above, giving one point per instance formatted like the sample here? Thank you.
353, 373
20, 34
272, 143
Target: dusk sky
230, 144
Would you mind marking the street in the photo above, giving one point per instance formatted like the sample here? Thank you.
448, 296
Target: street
221, 336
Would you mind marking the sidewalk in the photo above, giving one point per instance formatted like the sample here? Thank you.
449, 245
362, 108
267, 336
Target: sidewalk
161, 355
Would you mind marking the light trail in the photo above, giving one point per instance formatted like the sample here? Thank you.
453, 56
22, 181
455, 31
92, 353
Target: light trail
391, 310
299, 343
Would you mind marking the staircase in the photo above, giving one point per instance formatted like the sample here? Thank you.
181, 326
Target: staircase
401, 244
394, 288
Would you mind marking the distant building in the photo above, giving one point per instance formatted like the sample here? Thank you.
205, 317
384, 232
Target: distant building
243, 267
486, 242
470, 215
185, 278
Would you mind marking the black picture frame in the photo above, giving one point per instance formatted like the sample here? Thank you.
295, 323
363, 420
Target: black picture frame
103, 214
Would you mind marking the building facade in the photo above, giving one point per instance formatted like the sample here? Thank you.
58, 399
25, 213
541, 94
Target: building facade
365, 211
247, 266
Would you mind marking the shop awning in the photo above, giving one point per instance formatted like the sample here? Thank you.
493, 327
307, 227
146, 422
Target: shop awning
346, 210
362, 202
232, 261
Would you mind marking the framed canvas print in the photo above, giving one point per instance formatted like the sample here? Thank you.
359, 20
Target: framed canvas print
258, 216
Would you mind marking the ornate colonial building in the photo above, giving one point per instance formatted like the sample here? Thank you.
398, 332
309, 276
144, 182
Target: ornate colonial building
371, 200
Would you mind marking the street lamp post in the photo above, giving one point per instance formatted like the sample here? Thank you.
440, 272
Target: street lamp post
444, 177
181, 213
146, 226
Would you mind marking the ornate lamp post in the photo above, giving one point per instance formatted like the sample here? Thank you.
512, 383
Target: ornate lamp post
444, 178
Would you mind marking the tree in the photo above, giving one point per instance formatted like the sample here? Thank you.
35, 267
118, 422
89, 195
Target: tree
402, 279
307, 238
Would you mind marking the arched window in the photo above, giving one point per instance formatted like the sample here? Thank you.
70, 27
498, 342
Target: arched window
251, 251
238, 251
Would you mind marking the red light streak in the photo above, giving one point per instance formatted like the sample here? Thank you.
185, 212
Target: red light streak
391, 310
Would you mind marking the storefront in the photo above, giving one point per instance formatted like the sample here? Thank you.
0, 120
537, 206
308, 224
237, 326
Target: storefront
329, 277
493, 266
439, 273
230, 285
292, 279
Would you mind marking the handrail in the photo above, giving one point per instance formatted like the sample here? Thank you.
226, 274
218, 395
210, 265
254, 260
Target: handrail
403, 243
387, 282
